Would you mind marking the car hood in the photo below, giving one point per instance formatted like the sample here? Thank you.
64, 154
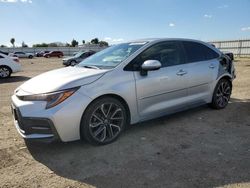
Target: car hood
60, 79
68, 58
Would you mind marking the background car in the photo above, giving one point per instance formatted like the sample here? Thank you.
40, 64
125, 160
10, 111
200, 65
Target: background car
41, 53
123, 84
5, 53
8, 65
53, 54
22, 55
77, 58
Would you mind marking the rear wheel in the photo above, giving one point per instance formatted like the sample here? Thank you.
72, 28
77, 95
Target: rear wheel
222, 93
30, 56
103, 121
5, 72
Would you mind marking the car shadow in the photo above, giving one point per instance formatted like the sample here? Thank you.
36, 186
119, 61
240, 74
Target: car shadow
14, 79
200, 147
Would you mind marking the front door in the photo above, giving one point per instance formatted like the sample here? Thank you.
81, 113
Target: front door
165, 90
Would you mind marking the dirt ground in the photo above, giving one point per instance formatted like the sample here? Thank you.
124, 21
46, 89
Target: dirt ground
196, 148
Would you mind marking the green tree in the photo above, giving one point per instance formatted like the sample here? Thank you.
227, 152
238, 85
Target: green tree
3, 46
95, 41
12, 41
53, 44
103, 43
74, 43
83, 41
40, 45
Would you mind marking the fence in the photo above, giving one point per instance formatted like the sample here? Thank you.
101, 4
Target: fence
240, 48
66, 50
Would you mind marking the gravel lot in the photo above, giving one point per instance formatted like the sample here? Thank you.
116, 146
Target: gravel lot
196, 148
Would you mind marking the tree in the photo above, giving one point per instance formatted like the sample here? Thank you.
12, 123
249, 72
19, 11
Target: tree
74, 43
103, 43
83, 41
53, 44
40, 45
3, 46
67, 45
95, 41
12, 41
24, 45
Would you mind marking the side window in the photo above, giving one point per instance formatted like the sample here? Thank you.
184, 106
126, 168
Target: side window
198, 52
1, 56
84, 55
168, 53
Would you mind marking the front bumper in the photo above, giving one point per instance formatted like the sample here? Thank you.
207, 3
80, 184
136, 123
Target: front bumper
63, 120
34, 127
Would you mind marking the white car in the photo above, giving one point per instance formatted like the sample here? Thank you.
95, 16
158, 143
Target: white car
22, 55
8, 65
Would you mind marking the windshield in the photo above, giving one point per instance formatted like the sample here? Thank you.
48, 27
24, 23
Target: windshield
78, 54
112, 56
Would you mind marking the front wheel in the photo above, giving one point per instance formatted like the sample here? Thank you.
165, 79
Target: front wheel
103, 121
221, 95
73, 63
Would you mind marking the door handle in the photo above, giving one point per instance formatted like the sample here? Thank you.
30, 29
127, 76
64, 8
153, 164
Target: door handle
181, 73
211, 66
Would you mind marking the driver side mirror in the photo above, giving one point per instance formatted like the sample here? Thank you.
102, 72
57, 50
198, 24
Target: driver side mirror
150, 65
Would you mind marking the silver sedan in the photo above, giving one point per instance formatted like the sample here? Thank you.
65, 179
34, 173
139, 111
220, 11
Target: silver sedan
121, 85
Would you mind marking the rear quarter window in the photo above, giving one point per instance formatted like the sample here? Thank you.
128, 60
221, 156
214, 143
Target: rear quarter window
198, 52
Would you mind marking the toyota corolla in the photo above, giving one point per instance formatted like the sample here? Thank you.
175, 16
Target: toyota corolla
121, 85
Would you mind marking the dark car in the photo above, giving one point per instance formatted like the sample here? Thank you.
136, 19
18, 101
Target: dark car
53, 54
5, 53
40, 54
77, 58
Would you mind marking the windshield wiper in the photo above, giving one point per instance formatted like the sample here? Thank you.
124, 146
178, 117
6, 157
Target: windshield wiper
91, 67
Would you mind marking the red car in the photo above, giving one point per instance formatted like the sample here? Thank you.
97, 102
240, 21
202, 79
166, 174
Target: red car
53, 54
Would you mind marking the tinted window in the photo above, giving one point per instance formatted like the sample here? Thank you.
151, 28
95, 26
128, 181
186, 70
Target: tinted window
198, 52
1, 56
168, 53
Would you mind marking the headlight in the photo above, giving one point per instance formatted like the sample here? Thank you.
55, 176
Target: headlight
52, 99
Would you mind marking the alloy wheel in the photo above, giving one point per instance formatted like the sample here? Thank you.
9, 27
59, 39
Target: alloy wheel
106, 122
223, 94
4, 72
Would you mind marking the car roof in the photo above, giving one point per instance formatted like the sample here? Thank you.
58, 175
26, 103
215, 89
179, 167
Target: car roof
163, 39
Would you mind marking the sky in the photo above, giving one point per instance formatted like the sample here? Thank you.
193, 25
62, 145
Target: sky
37, 21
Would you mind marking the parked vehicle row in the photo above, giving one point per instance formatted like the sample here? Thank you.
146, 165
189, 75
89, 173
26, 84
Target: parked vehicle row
46, 54
120, 85
8, 65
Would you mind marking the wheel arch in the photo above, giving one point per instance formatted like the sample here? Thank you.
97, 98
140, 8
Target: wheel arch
116, 96
227, 77
7, 67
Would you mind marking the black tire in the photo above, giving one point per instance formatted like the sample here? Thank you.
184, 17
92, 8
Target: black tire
222, 93
98, 129
30, 57
72, 63
5, 72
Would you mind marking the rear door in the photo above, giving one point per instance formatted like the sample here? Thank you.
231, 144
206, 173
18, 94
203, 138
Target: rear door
202, 64
165, 90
